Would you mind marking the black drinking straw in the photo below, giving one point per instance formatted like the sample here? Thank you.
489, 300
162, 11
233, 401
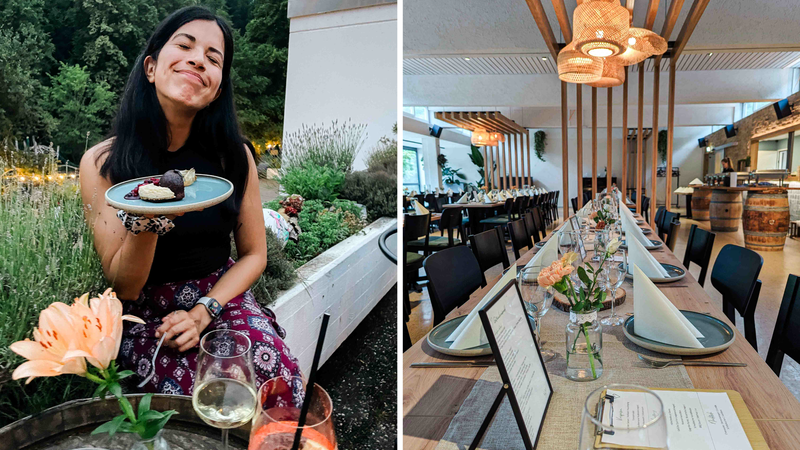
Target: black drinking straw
310, 385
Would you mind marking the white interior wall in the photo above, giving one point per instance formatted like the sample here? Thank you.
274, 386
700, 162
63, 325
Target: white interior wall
343, 65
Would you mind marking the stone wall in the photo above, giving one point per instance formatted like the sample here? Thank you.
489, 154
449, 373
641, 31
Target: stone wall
759, 123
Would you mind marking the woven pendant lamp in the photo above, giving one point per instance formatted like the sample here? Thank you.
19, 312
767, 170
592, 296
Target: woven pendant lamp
642, 44
613, 75
601, 28
496, 137
575, 67
480, 137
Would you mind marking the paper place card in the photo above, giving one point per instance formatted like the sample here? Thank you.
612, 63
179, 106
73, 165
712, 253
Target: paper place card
695, 421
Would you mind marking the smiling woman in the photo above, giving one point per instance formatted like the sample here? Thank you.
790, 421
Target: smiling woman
177, 112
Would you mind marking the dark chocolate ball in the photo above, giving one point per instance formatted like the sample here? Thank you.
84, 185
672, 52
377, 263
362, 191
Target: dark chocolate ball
173, 180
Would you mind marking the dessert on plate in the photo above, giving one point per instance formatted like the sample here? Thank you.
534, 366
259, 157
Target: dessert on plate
167, 188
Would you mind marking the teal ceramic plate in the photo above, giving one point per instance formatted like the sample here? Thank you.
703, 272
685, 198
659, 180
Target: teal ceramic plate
717, 336
206, 191
675, 273
436, 339
654, 244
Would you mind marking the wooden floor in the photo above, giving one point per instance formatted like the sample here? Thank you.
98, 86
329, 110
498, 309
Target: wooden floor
777, 267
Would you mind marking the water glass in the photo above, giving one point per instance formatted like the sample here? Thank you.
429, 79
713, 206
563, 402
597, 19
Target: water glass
224, 394
611, 278
604, 425
537, 301
275, 425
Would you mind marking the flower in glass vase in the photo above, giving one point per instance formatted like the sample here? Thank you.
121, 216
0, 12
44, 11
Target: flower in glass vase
88, 331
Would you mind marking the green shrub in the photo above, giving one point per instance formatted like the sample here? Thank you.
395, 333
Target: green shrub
279, 274
335, 146
384, 157
377, 191
274, 204
322, 228
313, 182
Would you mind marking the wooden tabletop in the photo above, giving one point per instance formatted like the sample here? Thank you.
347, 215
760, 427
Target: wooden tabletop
745, 188
432, 397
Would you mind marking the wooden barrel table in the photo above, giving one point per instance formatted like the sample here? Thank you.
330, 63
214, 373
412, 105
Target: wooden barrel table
725, 210
69, 426
701, 201
765, 220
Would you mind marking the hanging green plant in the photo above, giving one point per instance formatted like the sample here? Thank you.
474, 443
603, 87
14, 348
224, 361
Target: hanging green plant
662, 145
539, 142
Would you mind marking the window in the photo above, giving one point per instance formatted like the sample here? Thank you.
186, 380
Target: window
412, 169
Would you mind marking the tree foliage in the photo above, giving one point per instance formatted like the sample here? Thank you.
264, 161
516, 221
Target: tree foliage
64, 64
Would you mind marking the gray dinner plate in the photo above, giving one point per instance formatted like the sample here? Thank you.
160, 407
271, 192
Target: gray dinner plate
675, 273
645, 231
655, 244
717, 336
436, 339
639, 221
540, 244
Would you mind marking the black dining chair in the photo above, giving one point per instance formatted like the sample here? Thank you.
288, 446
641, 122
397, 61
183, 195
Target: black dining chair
671, 234
414, 226
662, 223
453, 275
538, 220
519, 236
574, 202
451, 221
698, 250
735, 276
785, 339
490, 250
500, 219
660, 220
530, 225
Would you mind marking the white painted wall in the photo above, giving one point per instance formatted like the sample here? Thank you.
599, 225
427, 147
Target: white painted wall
343, 65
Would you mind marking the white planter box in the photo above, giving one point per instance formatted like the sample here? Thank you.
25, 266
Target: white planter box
347, 281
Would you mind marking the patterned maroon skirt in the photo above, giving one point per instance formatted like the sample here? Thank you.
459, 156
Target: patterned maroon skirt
174, 371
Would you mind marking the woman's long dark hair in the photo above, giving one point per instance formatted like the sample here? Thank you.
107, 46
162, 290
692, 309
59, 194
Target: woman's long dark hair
140, 132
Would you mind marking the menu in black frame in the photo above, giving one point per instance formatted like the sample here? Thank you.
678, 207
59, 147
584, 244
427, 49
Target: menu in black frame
518, 359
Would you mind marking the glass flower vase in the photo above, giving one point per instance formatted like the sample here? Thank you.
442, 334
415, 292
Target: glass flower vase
155, 443
584, 346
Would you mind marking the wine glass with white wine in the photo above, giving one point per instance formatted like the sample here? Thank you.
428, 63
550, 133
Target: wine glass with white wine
224, 393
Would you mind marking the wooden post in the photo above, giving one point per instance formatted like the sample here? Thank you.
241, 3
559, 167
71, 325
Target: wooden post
609, 158
564, 151
520, 166
579, 114
496, 171
486, 150
624, 181
654, 152
528, 143
639, 142
594, 143
504, 180
670, 128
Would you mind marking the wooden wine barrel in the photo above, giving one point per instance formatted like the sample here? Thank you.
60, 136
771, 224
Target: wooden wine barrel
701, 200
69, 425
765, 220
725, 210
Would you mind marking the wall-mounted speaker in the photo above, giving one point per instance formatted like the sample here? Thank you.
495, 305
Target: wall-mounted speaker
702, 142
782, 108
730, 131
436, 131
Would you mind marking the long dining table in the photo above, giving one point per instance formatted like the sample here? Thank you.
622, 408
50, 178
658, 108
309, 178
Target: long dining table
433, 396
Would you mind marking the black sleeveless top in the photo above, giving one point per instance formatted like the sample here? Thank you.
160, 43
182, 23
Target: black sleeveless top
200, 243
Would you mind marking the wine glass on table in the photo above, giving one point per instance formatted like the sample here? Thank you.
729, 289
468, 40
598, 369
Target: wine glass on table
224, 393
537, 301
612, 276
275, 424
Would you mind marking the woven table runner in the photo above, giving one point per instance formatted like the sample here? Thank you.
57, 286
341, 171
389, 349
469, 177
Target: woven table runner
563, 420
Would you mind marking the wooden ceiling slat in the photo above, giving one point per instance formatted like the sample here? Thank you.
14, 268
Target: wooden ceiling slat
544, 26
505, 120
650, 18
698, 7
669, 21
563, 19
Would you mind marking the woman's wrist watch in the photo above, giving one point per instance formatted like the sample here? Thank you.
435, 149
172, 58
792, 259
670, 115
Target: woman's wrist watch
212, 306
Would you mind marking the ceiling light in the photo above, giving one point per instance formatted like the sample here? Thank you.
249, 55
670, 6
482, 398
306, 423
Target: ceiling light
466, 59
601, 28
613, 75
479, 137
575, 67
710, 54
643, 44
544, 58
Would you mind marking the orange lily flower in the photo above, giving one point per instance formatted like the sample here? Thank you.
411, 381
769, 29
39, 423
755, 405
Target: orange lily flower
98, 328
46, 354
